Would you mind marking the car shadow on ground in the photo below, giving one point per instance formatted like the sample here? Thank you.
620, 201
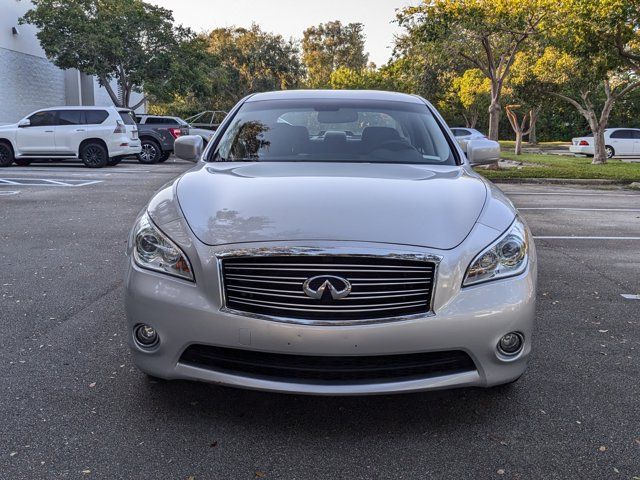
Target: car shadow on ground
197, 402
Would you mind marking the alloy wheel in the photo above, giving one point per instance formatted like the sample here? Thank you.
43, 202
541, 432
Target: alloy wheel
5, 156
93, 155
149, 153
609, 151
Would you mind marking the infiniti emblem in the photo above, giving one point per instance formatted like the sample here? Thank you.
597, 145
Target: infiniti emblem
338, 287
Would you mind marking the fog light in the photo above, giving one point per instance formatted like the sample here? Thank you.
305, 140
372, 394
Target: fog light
510, 344
146, 335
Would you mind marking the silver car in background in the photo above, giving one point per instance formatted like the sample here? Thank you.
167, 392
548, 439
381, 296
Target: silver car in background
335, 243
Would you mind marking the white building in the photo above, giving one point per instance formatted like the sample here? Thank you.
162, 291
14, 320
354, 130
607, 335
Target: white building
28, 81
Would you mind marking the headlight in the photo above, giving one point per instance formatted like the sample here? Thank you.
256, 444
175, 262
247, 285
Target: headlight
152, 249
505, 257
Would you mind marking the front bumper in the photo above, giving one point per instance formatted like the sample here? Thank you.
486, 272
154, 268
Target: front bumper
471, 320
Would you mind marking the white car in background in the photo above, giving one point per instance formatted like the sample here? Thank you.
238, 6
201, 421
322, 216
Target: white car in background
466, 133
619, 142
99, 136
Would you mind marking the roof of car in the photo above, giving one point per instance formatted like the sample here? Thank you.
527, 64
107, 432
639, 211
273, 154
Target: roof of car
339, 94
68, 107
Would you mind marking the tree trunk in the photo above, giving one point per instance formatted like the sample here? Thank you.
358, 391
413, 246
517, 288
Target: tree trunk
103, 81
533, 137
494, 120
473, 121
519, 128
600, 154
518, 149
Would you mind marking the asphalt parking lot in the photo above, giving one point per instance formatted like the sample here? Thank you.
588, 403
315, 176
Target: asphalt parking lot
73, 406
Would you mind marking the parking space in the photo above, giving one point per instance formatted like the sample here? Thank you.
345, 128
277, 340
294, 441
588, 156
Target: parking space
73, 406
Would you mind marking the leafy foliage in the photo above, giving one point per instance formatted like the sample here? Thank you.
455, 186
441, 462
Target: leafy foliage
485, 34
253, 61
330, 46
129, 41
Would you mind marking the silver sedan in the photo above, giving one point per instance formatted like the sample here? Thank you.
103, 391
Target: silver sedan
334, 243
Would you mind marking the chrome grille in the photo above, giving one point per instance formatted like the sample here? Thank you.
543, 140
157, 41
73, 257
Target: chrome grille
381, 287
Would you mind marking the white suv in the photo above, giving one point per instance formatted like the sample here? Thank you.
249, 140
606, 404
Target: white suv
99, 136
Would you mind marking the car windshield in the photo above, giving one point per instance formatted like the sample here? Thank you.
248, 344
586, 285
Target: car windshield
332, 130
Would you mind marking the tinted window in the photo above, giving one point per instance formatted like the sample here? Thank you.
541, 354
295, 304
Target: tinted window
318, 130
70, 117
159, 121
623, 134
95, 117
43, 119
460, 132
127, 118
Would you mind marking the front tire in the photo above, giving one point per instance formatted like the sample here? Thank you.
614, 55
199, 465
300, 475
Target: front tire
94, 155
6, 155
151, 152
610, 151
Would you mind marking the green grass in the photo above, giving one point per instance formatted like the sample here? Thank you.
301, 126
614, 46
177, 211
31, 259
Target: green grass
557, 166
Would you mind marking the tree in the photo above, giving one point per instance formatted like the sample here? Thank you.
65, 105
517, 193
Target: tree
366, 79
486, 34
330, 46
129, 41
597, 52
469, 95
520, 127
254, 61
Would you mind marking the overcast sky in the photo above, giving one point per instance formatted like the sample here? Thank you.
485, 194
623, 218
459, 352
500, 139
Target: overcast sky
290, 17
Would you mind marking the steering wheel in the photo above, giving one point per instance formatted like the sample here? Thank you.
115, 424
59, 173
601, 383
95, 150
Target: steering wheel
393, 145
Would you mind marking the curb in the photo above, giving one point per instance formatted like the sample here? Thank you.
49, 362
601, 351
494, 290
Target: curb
562, 181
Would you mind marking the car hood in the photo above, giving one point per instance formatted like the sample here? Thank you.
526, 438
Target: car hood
10, 126
431, 206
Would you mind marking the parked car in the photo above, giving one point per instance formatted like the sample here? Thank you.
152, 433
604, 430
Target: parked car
619, 142
99, 136
332, 242
191, 130
158, 134
466, 133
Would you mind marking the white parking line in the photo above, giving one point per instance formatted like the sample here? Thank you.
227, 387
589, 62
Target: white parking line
79, 171
577, 209
46, 182
559, 237
630, 296
6, 193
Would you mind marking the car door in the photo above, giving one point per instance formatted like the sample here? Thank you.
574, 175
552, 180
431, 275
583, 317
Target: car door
38, 138
622, 141
70, 131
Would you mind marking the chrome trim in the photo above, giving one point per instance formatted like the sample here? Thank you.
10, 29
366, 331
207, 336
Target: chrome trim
327, 251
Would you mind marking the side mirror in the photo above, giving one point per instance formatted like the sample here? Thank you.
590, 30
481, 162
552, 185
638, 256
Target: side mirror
189, 147
482, 151
25, 122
